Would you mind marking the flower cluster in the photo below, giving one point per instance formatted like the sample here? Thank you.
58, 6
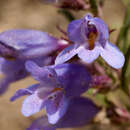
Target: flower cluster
60, 85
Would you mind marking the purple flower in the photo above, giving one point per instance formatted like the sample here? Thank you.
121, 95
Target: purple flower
57, 85
80, 112
90, 35
18, 46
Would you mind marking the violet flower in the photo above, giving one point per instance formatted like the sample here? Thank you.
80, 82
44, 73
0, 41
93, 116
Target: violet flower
57, 85
80, 111
18, 46
90, 35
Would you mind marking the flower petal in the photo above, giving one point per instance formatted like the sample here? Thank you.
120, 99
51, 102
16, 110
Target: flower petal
66, 54
37, 51
74, 78
113, 56
89, 56
42, 74
33, 68
35, 102
101, 27
22, 92
7, 51
103, 33
54, 117
41, 124
53, 102
12, 71
80, 111
10, 76
13, 68
31, 105
4, 84
74, 30
2, 60
27, 41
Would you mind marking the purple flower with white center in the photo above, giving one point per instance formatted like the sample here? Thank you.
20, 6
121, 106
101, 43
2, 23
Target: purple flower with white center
80, 111
90, 35
58, 84
18, 46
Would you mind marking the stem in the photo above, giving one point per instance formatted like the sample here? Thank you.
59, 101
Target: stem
94, 7
123, 35
68, 15
124, 84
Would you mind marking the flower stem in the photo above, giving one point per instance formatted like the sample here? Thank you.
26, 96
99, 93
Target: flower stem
68, 15
124, 84
94, 7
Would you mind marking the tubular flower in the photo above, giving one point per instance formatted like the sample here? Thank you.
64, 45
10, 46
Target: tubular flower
57, 85
90, 35
18, 46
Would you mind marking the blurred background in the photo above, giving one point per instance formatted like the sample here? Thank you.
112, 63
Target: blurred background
32, 14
